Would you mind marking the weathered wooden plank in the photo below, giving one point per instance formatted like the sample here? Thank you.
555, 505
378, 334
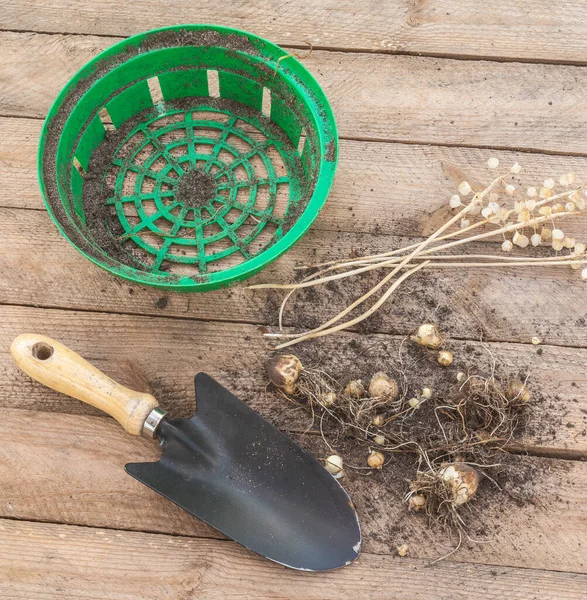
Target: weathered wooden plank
445, 27
374, 96
497, 304
381, 188
41, 562
162, 355
70, 469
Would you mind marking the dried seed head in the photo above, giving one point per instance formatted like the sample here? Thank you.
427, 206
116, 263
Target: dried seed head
379, 440
493, 163
465, 223
355, 389
333, 464
546, 234
558, 208
516, 168
549, 183
445, 358
557, 245
530, 204
464, 188
382, 386
507, 246
536, 340
516, 390
536, 239
584, 274
402, 550
570, 207
455, 201
426, 392
428, 336
376, 460
545, 211
510, 189
545, 192
460, 376
283, 371
462, 480
569, 243
580, 248
531, 192
558, 234
417, 502
520, 240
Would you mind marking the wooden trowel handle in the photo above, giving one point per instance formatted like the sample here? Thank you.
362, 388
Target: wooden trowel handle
61, 369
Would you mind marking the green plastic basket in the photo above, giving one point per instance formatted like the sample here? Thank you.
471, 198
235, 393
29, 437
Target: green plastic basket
188, 157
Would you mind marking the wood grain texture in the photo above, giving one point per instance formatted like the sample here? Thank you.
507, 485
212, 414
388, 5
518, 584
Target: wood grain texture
495, 304
161, 356
43, 562
527, 29
426, 100
71, 469
381, 188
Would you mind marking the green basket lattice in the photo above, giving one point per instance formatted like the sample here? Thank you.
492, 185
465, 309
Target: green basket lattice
188, 157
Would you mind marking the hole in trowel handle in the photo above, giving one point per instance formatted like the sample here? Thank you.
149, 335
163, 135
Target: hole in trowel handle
42, 351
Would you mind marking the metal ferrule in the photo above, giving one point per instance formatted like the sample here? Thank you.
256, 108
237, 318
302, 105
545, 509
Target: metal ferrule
152, 422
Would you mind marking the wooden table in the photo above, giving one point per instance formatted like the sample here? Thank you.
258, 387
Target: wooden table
424, 91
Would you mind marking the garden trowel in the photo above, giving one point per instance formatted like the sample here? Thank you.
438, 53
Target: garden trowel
225, 465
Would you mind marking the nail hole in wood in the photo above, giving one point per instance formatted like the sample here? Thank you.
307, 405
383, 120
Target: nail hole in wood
42, 351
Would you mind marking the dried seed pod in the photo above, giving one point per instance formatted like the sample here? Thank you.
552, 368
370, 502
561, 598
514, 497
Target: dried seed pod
428, 336
379, 440
382, 386
402, 550
426, 392
376, 460
283, 372
355, 389
417, 502
445, 358
516, 390
333, 464
462, 480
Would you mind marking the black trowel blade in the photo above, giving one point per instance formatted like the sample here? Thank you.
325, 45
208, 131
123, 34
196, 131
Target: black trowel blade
232, 469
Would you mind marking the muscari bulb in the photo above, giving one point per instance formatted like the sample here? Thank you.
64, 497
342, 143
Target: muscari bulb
283, 371
376, 460
428, 336
445, 358
382, 386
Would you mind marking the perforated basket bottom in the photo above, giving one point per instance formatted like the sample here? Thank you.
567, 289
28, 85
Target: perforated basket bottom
192, 189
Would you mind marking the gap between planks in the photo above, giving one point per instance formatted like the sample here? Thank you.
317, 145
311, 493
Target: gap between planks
69, 562
348, 50
478, 103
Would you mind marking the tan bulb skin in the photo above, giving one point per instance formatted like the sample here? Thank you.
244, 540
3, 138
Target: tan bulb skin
56, 366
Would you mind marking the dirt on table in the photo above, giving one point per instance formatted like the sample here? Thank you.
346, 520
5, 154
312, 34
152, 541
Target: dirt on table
507, 482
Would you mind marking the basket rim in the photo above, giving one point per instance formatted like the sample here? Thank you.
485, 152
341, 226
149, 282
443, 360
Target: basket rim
315, 98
